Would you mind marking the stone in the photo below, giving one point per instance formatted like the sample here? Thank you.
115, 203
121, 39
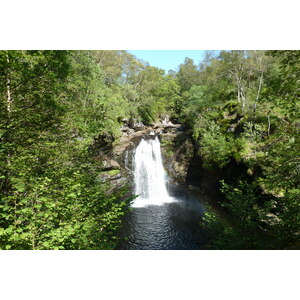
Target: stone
110, 164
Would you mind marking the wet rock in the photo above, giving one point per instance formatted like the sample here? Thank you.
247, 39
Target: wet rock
110, 164
135, 124
183, 164
116, 177
125, 128
178, 151
111, 175
115, 180
125, 121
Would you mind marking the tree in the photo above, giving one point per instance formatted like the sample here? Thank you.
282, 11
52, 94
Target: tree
54, 103
188, 75
245, 114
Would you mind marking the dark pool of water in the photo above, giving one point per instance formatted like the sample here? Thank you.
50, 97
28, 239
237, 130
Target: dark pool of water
171, 226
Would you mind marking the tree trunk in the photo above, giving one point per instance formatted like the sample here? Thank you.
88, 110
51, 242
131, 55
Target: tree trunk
8, 91
243, 97
9, 103
269, 124
258, 91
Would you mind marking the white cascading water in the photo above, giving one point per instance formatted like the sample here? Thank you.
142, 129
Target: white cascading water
149, 174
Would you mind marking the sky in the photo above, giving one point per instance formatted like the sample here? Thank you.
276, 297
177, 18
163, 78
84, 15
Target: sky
168, 59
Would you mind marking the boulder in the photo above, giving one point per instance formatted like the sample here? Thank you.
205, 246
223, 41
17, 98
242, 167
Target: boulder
135, 124
110, 164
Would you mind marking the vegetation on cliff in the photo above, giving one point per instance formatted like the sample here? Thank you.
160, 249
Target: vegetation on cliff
243, 106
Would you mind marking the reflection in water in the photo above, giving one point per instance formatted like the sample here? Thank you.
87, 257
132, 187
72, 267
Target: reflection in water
173, 226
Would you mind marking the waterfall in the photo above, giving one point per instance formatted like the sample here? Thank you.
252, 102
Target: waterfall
149, 174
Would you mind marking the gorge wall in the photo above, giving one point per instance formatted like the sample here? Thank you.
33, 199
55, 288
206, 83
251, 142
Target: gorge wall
180, 159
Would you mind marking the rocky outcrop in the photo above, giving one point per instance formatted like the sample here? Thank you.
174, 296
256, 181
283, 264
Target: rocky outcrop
110, 164
116, 179
131, 136
183, 164
116, 163
180, 159
177, 151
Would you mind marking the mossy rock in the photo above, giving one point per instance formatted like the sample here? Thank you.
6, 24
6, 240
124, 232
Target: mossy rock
113, 172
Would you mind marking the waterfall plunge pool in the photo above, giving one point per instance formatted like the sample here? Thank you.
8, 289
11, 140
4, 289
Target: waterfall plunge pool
163, 216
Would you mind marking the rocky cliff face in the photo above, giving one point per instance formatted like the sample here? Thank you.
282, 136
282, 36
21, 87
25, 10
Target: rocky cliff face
116, 158
180, 160
177, 151
183, 164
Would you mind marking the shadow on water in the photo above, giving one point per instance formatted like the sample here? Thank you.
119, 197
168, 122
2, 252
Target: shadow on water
170, 226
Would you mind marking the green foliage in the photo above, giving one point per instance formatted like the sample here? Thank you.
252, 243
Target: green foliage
246, 225
66, 210
53, 105
195, 101
139, 91
157, 93
215, 148
169, 146
245, 108
188, 75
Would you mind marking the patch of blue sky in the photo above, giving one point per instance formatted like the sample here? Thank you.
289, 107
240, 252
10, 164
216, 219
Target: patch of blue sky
168, 59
